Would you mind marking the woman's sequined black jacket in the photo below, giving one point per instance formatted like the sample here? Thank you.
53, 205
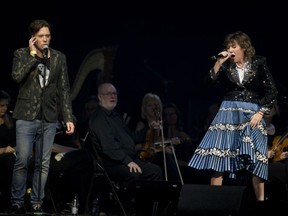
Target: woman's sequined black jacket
257, 86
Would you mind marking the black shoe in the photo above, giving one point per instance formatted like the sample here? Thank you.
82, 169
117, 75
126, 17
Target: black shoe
16, 209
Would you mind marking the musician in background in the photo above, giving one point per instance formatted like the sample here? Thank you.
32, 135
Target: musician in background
277, 142
278, 161
173, 127
70, 168
89, 106
152, 148
7, 150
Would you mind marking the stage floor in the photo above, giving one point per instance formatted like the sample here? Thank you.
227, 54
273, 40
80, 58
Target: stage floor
172, 199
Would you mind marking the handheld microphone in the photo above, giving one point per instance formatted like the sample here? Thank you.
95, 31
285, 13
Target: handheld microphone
215, 57
45, 51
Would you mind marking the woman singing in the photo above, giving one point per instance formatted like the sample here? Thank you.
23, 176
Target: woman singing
237, 137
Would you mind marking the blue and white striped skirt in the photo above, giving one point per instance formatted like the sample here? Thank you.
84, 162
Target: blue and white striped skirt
230, 144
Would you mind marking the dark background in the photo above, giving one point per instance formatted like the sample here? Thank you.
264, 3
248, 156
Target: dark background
163, 47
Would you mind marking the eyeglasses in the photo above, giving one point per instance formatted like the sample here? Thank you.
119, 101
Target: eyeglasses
111, 94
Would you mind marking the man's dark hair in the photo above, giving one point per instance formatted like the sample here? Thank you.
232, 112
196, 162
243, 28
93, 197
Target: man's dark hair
36, 25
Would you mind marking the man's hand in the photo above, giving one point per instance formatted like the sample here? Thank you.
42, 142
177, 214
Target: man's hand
70, 128
7, 150
134, 167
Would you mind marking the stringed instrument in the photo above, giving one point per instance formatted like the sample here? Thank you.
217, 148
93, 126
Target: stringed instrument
154, 143
147, 152
279, 145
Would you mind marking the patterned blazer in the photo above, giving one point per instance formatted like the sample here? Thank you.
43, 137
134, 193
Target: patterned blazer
257, 86
54, 96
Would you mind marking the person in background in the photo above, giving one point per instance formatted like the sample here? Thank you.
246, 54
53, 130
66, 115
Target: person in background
173, 127
276, 187
113, 141
270, 125
90, 105
151, 148
212, 111
236, 140
70, 169
7, 150
44, 91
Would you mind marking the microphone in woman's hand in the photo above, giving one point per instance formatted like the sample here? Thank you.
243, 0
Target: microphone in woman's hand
215, 57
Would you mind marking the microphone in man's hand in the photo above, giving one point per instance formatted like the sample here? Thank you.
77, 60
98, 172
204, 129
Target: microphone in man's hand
45, 51
215, 57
